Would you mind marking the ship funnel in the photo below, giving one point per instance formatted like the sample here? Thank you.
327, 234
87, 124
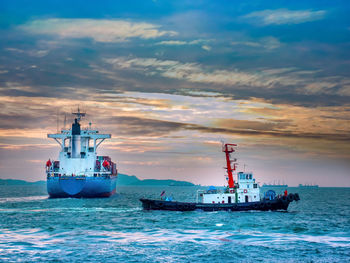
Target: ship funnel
76, 127
76, 139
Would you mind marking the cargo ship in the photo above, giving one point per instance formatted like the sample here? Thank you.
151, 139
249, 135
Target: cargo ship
79, 171
242, 195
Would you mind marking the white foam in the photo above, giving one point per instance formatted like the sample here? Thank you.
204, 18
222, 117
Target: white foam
22, 199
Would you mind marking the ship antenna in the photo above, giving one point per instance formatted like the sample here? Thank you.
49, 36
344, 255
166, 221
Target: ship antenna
79, 114
57, 120
222, 145
65, 121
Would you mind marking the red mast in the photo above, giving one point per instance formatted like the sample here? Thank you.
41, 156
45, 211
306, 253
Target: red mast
228, 150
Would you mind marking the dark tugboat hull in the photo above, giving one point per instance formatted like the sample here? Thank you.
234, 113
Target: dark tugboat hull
266, 205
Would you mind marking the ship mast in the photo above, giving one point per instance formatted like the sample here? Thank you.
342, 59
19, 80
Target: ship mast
228, 149
79, 114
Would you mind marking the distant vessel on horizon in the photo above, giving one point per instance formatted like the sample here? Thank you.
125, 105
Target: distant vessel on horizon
275, 185
308, 186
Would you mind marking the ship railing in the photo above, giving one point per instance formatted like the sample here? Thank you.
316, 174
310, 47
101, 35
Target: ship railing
101, 173
88, 174
102, 170
52, 168
56, 171
52, 174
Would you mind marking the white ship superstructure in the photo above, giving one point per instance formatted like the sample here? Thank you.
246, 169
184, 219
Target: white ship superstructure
78, 160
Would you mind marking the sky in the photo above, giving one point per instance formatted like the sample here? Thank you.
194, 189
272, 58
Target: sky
171, 80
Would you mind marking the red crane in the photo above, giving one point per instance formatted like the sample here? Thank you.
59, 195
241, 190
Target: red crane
228, 149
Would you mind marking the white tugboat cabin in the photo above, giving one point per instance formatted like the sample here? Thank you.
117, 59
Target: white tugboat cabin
247, 189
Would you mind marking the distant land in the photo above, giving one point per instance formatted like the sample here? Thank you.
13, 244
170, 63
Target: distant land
123, 180
19, 182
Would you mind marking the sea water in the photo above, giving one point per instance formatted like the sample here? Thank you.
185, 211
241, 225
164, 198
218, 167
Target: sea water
34, 228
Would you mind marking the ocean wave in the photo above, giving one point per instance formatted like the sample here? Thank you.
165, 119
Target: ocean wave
23, 199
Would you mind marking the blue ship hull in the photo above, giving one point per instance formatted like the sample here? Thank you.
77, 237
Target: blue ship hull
69, 186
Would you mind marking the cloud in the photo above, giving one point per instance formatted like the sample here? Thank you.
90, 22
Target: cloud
182, 43
282, 84
261, 125
101, 30
173, 43
156, 115
172, 129
136, 126
268, 43
283, 16
194, 72
191, 72
206, 47
274, 128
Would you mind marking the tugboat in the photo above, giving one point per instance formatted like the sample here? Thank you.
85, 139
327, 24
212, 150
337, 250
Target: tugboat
242, 195
79, 172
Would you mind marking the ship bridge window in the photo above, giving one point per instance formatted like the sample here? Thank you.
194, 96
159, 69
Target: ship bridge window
250, 176
255, 185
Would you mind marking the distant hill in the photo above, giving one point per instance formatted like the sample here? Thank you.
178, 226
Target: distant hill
18, 182
123, 180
